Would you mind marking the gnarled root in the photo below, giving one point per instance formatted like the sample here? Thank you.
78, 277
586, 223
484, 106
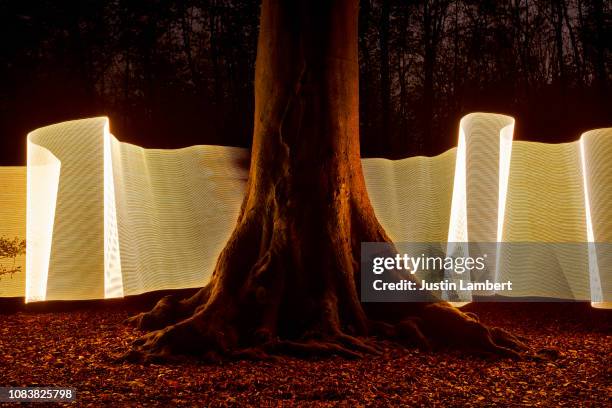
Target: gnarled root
203, 335
213, 341
446, 326
168, 310
440, 326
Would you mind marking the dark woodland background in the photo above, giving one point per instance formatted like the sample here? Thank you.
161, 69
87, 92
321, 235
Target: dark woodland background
177, 73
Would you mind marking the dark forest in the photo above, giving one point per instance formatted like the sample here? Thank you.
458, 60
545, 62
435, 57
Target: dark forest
177, 73
311, 86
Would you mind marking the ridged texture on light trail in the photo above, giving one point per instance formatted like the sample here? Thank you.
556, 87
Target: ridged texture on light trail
109, 219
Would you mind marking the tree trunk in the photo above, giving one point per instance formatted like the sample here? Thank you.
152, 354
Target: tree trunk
600, 49
385, 80
429, 56
287, 279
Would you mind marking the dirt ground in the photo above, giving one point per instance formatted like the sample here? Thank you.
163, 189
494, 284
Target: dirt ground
76, 348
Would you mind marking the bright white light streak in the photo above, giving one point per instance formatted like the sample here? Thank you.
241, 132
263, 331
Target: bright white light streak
594, 280
43, 172
113, 279
457, 229
505, 153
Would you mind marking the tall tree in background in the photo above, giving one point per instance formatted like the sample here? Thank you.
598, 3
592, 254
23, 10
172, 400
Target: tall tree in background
287, 280
434, 16
385, 80
599, 32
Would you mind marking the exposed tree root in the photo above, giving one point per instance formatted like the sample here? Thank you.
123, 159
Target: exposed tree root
168, 310
440, 327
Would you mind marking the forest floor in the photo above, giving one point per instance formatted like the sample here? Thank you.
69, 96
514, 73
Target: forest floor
76, 349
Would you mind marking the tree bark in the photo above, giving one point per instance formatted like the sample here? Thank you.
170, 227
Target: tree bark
287, 280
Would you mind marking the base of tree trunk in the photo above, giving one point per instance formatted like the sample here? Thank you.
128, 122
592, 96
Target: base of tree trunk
173, 334
286, 285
